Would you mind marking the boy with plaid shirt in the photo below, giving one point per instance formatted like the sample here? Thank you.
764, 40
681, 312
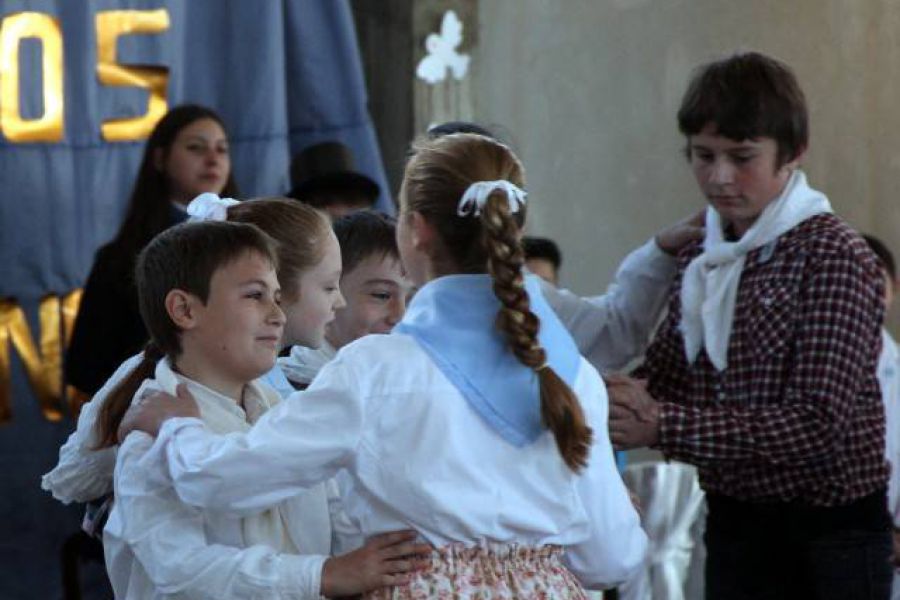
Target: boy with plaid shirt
764, 373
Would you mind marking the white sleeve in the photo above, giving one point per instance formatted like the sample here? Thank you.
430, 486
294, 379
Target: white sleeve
168, 539
617, 545
889, 381
83, 472
613, 329
302, 441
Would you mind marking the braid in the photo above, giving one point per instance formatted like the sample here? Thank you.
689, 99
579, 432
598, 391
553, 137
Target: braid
116, 404
560, 410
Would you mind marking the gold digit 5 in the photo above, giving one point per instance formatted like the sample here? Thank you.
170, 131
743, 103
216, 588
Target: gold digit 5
110, 25
15, 28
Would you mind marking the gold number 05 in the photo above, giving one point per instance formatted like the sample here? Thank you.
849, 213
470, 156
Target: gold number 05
109, 26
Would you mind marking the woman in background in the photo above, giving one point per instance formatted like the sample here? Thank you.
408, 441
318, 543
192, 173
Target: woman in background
186, 155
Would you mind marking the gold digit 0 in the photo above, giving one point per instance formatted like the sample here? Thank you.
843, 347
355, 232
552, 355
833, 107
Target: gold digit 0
110, 25
16, 27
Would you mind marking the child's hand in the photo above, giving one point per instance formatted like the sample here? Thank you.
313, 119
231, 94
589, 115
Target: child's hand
384, 560
149, 412
674, 237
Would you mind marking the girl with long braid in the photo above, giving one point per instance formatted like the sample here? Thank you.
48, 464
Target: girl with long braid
475, 422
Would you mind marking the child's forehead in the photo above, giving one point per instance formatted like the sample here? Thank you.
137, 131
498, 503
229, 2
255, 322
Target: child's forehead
711, 132
248, 265
377, 265
711, 138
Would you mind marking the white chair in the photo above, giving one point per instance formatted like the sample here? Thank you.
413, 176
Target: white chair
674, 511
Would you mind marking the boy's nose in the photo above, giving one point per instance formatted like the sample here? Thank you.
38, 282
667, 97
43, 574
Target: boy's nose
722, 172
277, 315
397, 310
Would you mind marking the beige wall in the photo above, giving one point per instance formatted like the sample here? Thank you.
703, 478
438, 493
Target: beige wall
587, 90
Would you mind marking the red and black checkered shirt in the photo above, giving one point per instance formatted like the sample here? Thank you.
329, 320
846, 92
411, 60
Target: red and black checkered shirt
797, 414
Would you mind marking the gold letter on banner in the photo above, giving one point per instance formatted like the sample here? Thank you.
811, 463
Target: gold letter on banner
16, 27
70, 304
44, 369
110, 25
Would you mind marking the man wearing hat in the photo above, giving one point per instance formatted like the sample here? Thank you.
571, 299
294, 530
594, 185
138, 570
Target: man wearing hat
323, 176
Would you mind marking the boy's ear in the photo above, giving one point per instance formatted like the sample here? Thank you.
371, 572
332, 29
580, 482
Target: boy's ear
795, 162
182, 308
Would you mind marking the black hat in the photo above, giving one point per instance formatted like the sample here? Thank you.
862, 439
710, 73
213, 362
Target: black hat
328, 166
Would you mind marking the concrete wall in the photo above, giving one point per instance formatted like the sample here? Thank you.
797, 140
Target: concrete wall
587, 90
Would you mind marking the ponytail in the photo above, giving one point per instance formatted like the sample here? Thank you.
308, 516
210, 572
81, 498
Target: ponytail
561, 411
119, 399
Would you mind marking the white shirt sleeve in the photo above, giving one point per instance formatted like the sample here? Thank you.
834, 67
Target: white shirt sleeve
302, 441
617, 545
83, 472
613, 329
889, 381
168, 539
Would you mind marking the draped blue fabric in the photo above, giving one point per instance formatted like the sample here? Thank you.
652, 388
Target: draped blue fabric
283, 74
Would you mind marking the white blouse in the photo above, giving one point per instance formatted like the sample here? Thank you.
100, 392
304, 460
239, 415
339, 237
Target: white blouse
84, 473
157, 547
418, 456
613, 329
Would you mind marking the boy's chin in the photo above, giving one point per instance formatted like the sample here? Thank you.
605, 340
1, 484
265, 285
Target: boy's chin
264, 366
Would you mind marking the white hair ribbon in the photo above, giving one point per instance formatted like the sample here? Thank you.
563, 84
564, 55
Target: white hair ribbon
209, 207
476, 196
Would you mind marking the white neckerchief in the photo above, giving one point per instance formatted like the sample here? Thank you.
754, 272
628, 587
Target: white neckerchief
303, 363
223, 415
709, 288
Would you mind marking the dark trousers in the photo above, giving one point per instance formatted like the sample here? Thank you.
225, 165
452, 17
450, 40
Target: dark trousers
787, 551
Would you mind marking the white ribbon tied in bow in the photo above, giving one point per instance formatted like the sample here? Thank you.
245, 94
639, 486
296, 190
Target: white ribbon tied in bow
209, 207
475, 197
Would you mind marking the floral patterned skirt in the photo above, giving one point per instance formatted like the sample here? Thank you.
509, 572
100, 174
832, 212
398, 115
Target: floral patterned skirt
489, 572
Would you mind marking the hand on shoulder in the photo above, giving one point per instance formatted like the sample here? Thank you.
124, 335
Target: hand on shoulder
150, 411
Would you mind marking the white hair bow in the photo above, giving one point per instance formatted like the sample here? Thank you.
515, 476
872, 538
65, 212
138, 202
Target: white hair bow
476, 196
209, 207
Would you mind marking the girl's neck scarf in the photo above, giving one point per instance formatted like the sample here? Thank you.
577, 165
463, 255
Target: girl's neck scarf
709, 288
452, 319
304, 363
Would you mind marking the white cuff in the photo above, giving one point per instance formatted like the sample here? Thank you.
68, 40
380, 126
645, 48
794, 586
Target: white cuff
300, 576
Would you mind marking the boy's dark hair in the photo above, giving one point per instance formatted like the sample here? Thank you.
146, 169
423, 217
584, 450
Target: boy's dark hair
363, 234
183, 257
541, 247
885, 256
747, 96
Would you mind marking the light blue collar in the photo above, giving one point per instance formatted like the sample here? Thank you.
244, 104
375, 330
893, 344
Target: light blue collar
278, 381
452, 319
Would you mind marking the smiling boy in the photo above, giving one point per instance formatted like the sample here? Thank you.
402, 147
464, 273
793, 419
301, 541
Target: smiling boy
764, 373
